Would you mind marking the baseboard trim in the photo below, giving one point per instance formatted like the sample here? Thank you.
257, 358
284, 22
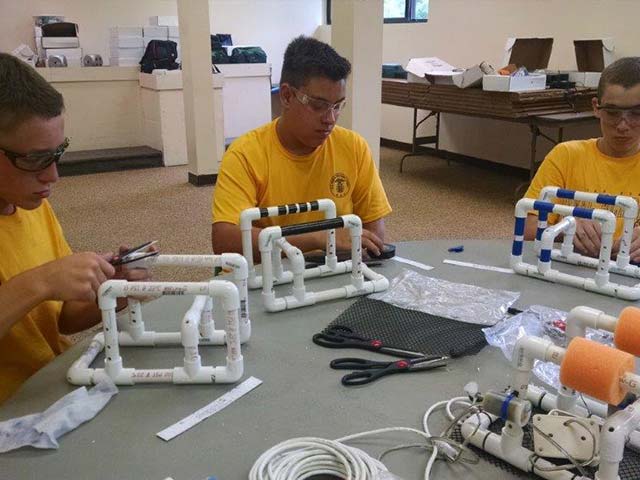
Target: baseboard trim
458, 157
202, 180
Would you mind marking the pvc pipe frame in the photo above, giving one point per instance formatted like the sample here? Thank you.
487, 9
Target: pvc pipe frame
629, 208
197, 326
363, 280
508, 446
248, 216
546, 235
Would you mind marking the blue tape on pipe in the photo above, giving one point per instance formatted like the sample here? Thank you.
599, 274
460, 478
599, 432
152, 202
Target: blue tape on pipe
564, 193
516, 250
539, 233
504, 409
606, 199
545, 255
582, 212
519, 226
543, 206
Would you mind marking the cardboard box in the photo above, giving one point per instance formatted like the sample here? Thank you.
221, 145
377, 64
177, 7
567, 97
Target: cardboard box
70, 53
532, 53
505, 83
592, 57
124, 62
164, 20
160, 33
126, 42
135, 53
436, 71
60, 42
125, 31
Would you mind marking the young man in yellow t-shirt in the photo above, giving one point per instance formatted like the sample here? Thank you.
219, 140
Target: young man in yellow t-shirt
609, 164
45, 290
302, 156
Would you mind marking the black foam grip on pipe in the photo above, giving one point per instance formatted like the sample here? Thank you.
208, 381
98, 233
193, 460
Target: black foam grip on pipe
312, 226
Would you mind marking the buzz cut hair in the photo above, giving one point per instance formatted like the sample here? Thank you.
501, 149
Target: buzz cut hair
624, 72
24, 94
306, 58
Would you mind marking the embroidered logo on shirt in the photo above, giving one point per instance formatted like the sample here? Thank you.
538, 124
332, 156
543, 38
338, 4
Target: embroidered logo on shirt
339, 185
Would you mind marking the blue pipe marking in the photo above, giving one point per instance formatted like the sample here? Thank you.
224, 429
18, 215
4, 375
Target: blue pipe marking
543, 206
606, 199
583, 212
516, 250
519, 226
564, 193
545, 255
539, 233
543, 216
504, 408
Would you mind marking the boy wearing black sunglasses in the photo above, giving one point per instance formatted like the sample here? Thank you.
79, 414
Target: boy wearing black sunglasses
609, 164
45, 290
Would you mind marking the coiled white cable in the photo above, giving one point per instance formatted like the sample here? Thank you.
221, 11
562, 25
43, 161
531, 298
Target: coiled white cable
300, 458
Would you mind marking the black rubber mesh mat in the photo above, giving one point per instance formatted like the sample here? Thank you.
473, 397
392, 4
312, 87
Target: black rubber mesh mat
411, 330
629, 467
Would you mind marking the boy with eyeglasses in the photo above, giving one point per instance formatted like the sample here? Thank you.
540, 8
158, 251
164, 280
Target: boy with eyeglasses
45, 290
302, 156
609, 164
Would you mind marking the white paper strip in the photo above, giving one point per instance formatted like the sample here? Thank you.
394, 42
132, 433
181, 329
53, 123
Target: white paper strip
412, 263
208, 410
478, 266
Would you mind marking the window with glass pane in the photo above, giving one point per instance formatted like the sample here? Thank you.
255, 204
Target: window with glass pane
421, 10
395, 8
399, 11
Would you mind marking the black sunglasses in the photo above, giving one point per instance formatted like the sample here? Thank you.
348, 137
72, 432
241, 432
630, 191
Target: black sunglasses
36, 161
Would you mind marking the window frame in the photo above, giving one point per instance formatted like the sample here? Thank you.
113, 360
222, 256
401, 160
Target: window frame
409, 12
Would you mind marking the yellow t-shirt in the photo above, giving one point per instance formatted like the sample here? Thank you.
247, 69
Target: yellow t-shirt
257, 171
29, 238
580, 165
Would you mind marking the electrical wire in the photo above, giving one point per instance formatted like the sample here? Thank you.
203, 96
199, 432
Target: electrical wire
305, 457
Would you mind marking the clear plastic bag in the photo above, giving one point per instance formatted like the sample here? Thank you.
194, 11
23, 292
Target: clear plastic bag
458, 301
543, 322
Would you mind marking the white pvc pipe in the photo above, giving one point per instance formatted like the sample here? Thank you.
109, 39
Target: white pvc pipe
477, 434
581, 318
192, 372
248, 216
549, 236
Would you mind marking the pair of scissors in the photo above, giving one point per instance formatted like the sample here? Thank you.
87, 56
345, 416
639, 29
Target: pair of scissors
135, 254
370, 370
343, 337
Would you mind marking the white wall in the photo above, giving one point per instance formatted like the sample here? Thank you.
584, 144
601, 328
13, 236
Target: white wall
465, 32
268, 23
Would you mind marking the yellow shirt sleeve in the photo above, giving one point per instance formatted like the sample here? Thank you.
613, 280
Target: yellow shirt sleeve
370, 201
235, 188
552, 172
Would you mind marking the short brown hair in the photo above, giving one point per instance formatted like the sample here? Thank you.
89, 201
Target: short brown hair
624, 72
24, 94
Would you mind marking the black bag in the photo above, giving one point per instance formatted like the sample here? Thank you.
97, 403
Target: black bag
248, 55
160, 54
219, 55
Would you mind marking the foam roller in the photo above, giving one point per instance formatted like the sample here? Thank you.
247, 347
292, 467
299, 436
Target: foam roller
627, 334
595, 369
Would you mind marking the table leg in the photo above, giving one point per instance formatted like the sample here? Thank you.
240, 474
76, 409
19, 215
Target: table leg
416, 141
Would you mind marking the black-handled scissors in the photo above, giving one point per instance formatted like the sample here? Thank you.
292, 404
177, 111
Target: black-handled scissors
135, 254
372, 370
343, 337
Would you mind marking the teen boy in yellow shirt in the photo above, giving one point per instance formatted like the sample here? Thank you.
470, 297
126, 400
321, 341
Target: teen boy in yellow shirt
45, 290
609, 164
302, 156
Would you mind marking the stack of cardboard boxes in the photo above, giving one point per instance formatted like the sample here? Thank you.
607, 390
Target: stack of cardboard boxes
126, 46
